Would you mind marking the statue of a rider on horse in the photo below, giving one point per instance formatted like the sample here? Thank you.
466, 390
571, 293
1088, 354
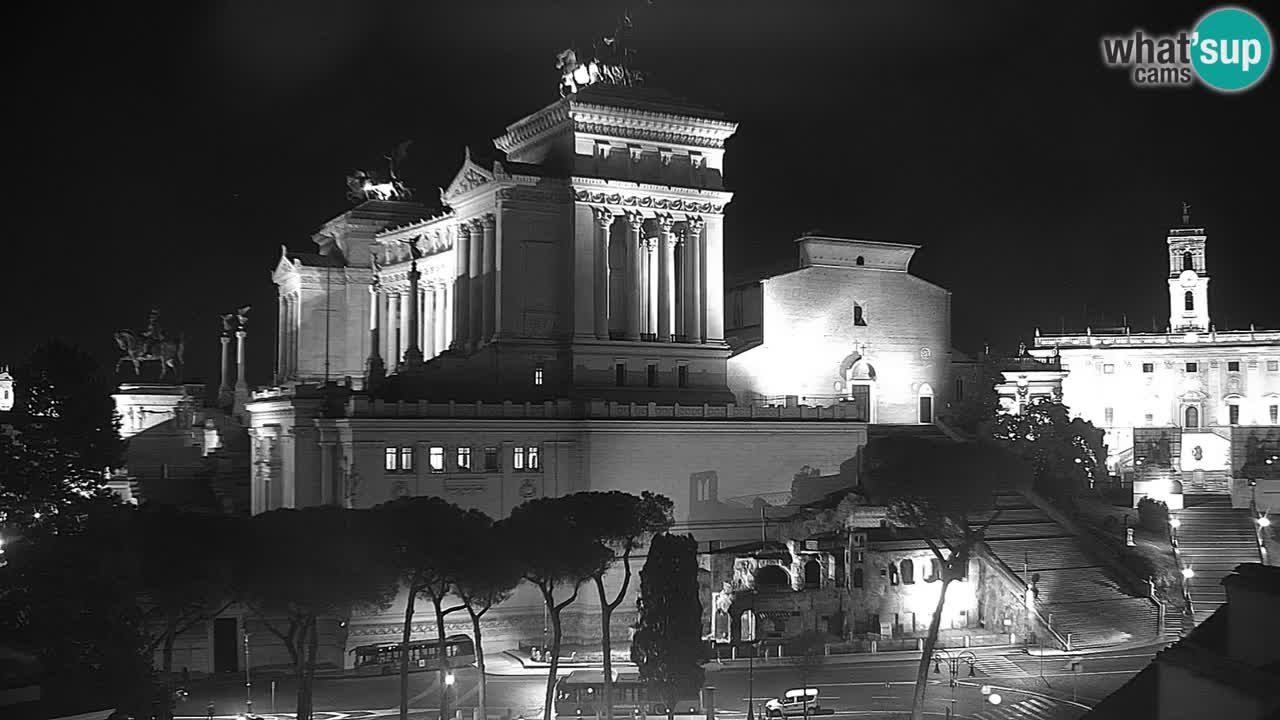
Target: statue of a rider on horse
150, 345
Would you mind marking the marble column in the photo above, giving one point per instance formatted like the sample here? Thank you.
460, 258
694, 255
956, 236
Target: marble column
375, 370
429, 321
635, 291
693, 281
666, 278
242, 385
413, 352
604, 221
393, 327
489, 281
224, 389
475, 295
651, 286
328, 483
291, 354
446, 316
461, 287
280, 337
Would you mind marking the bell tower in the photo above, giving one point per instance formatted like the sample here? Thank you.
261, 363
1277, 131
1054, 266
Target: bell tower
1188, 277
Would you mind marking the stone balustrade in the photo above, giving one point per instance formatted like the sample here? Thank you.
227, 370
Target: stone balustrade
360, 406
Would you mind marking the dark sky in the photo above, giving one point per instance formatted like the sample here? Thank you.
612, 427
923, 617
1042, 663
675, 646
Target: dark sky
162, 155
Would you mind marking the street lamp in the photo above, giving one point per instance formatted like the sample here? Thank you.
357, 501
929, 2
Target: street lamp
248, 683
953, 670
1188, 573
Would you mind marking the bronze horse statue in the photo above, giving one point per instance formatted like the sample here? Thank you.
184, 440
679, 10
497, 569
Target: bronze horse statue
138, 348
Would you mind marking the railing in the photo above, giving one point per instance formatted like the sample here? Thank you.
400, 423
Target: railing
1034, 608
361, 406
1174, 338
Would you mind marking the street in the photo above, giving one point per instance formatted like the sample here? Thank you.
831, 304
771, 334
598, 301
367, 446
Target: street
1030, 688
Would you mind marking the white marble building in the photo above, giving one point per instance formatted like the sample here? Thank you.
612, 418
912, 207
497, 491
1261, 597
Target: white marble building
1216, 388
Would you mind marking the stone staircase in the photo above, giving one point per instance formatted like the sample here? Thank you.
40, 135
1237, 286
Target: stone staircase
1075, 592
1206, 482
1214, 538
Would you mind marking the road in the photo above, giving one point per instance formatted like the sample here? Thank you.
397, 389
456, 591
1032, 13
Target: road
1031, 688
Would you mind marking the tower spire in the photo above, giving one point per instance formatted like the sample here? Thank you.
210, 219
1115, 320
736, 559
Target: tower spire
1186, 213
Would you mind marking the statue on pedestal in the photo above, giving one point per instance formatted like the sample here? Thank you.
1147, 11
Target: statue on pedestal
150, 345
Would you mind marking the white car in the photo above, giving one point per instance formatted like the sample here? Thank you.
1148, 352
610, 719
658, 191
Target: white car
796, 701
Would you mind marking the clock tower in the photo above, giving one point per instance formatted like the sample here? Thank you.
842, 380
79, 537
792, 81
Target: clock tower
1188, 277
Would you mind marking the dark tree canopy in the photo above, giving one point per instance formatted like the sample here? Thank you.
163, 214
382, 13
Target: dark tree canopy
668, 648
1066, 454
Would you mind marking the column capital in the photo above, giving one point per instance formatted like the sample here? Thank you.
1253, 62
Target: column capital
464, 227
666, 223
695, 223
604, 217
635, 220
488, 221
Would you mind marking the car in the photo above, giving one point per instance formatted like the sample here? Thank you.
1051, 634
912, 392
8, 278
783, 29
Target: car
796, 701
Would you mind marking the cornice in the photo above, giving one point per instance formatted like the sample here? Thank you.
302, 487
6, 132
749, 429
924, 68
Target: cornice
528, 129
649, 125
651, 197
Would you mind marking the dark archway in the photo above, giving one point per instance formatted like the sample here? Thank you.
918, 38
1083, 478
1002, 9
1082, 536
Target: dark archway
772, 577
812, 574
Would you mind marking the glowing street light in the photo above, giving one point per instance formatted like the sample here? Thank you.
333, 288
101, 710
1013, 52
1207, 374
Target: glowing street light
1264, 521
1188, 573
1175, 523
448, 678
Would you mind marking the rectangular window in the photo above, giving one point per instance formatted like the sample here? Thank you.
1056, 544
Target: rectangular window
537, 374
491, 458
682, 376
1274, 411
1233, 413
517, 458
389, 460
1273, 365
620, 374
1110, 415
464, 458
406, 459
1148, 367
435, 457
1193, 367
959, 390
1233, 366
534, 457
651, 375
1148, 418
1108, 369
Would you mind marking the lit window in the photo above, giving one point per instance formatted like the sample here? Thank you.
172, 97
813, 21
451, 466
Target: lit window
464, 458
406, 459
491, 458
1148, 367
534, 457
517, 458
893, 574
682, 376
389, 460
620, 374
1193, 367
537, 375
651, 375
436, 458
1233, 366
1108, 368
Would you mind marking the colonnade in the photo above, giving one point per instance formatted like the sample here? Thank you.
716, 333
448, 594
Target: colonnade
287, 348
391, 315
664, 279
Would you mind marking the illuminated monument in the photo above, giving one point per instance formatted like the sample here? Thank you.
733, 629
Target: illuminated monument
557, 325
1193, 410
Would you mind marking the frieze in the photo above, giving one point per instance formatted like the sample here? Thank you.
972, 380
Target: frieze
665, 137
648, 202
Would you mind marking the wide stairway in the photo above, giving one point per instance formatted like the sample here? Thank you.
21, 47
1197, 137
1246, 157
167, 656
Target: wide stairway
1075, 593
1213, 539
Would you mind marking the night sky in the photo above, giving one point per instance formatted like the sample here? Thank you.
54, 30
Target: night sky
162, 155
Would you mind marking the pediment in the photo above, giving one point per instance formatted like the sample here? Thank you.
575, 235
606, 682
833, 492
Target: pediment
284, 267
469, 177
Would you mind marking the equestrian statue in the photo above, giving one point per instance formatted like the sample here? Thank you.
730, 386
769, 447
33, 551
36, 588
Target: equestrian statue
150, 345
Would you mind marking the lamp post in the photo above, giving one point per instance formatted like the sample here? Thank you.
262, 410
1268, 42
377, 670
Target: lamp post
248, 683
953, 670
448, 685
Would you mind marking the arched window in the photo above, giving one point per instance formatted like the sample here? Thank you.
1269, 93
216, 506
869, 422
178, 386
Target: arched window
772, 577
857, 577
812, 574
858, 318
1188, 261
1188, 301
893, 574
908, 572
1192, 417
860, 262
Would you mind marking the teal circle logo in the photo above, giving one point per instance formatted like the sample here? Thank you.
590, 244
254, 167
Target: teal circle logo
1231, 49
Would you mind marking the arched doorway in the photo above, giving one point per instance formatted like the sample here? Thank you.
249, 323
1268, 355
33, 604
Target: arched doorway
859, 378
772, 577
812, 574
1191, 417
926, 403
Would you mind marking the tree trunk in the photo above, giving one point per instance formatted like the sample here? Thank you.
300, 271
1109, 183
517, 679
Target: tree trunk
404, 653
922, 672
606, 644
311, 665
443, 658
166, 655
555, 660
481, 688
300, 670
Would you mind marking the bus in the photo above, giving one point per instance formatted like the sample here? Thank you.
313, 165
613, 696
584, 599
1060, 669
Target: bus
384, 658
581, 693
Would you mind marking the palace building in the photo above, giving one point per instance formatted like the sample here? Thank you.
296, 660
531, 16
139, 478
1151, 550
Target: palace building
1193, 410
559, 325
